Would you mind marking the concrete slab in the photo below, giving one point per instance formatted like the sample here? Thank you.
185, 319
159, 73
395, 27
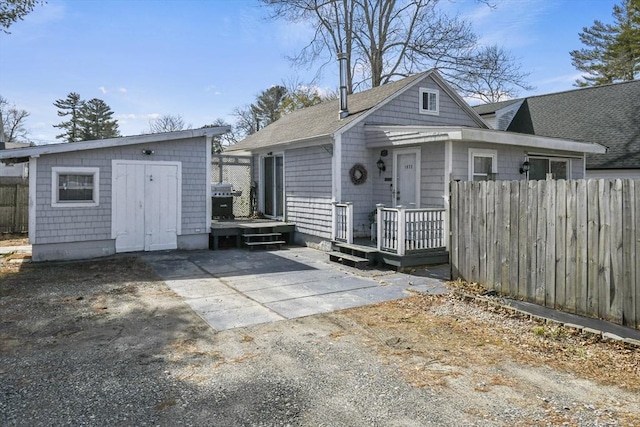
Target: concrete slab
310, 288
198, 288
240, 317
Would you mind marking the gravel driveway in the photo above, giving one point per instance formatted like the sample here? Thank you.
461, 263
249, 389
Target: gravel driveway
108, 343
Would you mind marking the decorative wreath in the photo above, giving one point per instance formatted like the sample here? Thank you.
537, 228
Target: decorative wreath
358, 174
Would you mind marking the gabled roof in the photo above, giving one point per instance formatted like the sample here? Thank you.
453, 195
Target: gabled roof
607, 114
323, 120
111, 142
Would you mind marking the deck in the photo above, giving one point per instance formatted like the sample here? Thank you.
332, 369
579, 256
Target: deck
227, 233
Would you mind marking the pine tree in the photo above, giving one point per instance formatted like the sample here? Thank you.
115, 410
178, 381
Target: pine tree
613, 52
95, 121
70, 106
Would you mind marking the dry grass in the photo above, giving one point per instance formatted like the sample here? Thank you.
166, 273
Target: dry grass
435, 337
13, 239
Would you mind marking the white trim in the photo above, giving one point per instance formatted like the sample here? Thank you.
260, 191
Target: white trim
398, 135
56, 171
112, 142
482, 152
262, 189
209, 207
33, 173
421, 108
336, 177
418, 152
448, 172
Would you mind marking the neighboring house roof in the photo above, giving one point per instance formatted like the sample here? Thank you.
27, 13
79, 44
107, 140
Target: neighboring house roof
323, 120
111, 142
607, 114
14, 145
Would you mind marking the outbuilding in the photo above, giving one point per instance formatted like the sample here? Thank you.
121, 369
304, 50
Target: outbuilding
135, 193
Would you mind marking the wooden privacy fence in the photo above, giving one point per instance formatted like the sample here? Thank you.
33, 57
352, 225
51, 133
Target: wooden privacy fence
14, 207
569, 245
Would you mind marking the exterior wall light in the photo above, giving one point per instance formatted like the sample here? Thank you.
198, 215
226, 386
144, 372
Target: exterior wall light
147, 152
381, 166
525, 167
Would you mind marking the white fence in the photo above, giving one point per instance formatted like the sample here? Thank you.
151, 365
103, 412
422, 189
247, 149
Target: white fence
403, 230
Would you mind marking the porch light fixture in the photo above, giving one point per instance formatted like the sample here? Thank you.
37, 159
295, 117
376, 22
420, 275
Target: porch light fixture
381, 166
525, 167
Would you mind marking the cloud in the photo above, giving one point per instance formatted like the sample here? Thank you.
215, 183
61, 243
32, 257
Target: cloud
129, 116
212, 88
122, 90
103, 90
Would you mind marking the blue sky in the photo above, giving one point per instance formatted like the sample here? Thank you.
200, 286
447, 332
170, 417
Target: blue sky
202, 58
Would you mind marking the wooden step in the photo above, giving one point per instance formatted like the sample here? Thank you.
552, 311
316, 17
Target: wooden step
358, 248
262, 235
266, 242
352, 260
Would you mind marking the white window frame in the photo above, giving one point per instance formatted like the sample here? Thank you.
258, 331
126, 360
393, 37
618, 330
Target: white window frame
57, 171
478, 152
434, 92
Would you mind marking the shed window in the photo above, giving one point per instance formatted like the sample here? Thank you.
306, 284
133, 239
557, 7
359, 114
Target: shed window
482, 165
429, 101
74, 187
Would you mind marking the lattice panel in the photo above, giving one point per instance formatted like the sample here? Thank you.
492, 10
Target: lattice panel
236, 171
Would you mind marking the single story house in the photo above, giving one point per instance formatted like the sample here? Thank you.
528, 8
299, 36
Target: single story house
606, 114
387, 155
135, 193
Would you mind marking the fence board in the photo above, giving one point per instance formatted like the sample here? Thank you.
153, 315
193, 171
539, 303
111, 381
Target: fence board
491, 232
615, 308
604, 250
550, 256
572, 245
628, 256
561, 243
454, 207
593, 227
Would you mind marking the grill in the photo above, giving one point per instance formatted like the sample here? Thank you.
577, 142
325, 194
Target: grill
222, 200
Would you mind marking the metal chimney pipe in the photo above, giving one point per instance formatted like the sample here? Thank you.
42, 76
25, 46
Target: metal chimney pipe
342, 61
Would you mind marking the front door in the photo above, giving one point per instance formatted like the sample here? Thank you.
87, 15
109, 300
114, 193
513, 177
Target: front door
146, 203
273, 183
406, 164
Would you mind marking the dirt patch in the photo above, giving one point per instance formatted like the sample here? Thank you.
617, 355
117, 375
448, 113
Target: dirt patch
443, 343
106, 343
13, 239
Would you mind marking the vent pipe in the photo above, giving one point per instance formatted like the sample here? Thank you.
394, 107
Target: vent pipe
342, 61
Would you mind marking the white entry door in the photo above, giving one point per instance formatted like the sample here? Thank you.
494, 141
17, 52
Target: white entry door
406, 164
146, 203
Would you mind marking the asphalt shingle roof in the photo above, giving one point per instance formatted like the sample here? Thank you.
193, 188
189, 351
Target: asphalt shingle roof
322, 119
607, 114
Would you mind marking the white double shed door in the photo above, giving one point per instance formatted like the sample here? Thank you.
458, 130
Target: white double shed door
146, 205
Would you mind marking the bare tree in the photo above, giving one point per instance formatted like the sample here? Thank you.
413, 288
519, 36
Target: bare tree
386, 39
13, 121
224, 140
167, 123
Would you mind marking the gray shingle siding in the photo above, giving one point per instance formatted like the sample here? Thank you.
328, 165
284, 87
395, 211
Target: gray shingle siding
69, 224
308, 180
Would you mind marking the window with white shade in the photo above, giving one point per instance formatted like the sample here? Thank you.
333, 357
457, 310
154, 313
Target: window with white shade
74, 187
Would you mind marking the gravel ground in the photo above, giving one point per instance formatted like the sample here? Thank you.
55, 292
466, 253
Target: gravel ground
106, 343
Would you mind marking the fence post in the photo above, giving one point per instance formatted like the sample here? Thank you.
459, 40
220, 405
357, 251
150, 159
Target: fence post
402, 230
349, 222
334, 220
379, 208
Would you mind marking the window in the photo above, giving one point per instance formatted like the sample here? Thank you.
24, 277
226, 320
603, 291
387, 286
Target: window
482, 165
74, 187
429, 101
539, 167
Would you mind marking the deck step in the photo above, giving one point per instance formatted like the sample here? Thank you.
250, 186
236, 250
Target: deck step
358, 248
266, 243
261, 234
351, 260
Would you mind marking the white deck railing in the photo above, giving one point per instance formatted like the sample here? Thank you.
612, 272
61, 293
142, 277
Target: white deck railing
402, 230
342, 228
